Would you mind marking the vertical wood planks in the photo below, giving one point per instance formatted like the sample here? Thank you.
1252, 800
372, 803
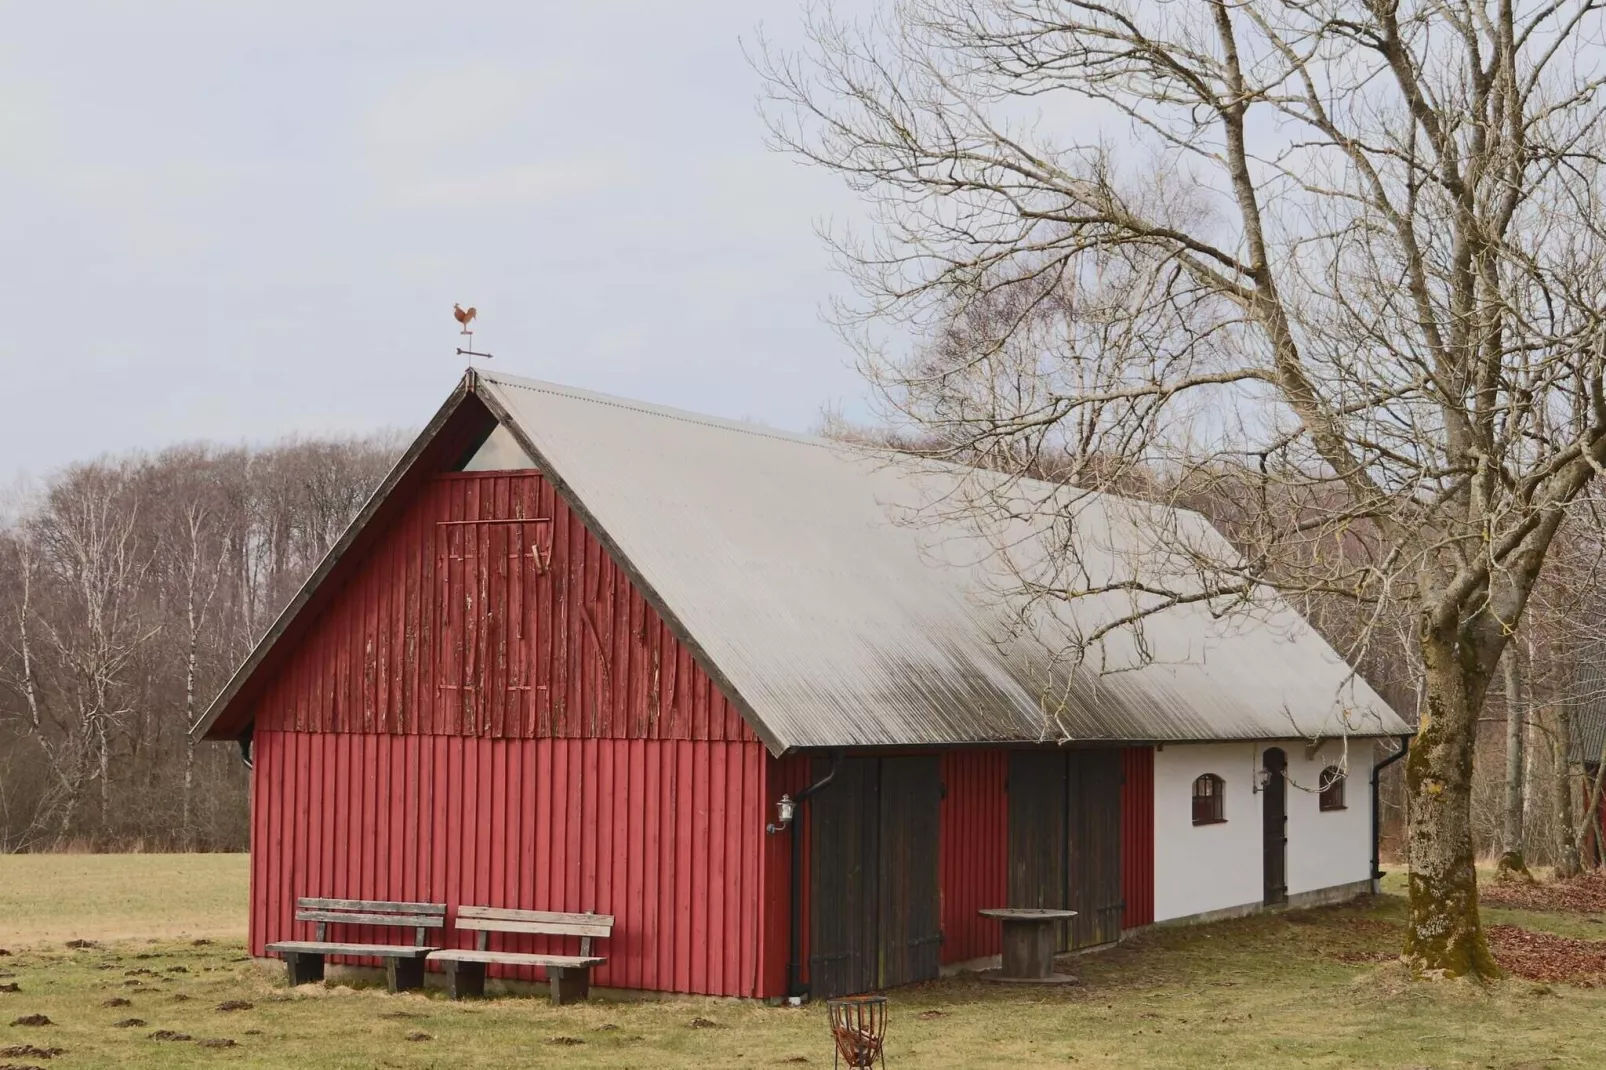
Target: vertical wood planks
974, 851
450, 625
565, 825
1137, 836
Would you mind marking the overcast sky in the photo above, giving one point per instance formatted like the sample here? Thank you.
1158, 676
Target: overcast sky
240, 219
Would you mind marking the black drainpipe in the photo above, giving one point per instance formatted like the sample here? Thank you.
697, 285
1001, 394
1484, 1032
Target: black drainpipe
1377, 820
795, 989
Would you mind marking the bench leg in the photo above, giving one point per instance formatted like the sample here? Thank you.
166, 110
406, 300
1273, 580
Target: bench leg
303, 967
464, 980
404, 975
569, 983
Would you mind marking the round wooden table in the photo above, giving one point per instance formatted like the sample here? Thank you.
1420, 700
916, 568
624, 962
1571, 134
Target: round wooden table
1029, 943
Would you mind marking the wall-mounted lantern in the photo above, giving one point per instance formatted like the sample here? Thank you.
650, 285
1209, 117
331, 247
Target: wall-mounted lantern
785, 810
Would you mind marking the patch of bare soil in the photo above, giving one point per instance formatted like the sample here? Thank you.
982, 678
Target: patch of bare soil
216, 1042
1583, 894
168, 1034
235, 1005
10, 986
130, 1023
28, 1051
1540, 956
32, 1019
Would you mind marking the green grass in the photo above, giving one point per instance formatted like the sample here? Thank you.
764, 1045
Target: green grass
57, 897
1311, 989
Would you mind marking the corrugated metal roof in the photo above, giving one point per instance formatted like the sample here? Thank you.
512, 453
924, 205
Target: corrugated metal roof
1588, 701
792, 562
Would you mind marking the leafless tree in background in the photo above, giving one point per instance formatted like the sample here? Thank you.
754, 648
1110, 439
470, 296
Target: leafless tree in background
130, 588
1337, 267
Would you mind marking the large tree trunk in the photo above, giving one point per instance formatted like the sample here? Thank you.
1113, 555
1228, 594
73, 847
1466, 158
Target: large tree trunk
1512, 862
1445, 935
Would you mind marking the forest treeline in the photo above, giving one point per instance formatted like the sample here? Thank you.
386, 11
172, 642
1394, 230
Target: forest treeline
130, 589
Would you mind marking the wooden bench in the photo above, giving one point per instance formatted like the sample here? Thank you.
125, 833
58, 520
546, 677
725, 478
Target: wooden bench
404, 965
570, 975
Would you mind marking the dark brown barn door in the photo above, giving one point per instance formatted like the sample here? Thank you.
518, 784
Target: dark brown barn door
874, 908
910, 915
1037, 811
844, 864
1065, 839
1093, 829
1275, 796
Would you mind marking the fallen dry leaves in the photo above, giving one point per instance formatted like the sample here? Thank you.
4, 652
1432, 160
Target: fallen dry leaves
1541, 956
1583, 894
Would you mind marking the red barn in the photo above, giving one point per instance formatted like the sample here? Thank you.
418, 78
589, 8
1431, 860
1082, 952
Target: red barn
577, 649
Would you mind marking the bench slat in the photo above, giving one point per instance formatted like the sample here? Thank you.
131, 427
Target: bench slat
547, 928
507, 914
372, 906
511, 958
408, 921
378, 951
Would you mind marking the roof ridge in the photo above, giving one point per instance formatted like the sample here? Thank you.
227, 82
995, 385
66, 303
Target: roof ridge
890, 454
741, 427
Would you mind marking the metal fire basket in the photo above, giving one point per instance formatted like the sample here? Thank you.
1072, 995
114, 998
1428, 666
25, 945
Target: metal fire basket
859, 1027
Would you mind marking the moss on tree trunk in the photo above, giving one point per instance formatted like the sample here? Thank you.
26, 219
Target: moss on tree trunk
1444, 936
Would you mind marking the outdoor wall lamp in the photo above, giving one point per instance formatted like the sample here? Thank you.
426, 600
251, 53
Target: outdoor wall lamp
785, 810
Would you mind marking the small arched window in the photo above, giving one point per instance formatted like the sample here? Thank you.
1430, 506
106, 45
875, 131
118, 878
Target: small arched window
1331, 788
1208, 793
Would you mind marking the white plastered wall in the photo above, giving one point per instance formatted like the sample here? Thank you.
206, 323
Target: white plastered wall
1202, 868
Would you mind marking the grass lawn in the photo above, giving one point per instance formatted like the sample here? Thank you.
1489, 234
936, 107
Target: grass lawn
1311, 989
117, 897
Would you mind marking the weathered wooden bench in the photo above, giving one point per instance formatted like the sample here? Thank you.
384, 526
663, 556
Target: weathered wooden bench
570, 975
404, 965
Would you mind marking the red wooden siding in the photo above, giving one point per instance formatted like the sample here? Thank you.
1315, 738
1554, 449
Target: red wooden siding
667, 836
788, 775
1137, 837
490, 714
973, 863
523, 627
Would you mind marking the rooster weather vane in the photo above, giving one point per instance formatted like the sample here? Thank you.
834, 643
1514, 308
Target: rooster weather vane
465, 318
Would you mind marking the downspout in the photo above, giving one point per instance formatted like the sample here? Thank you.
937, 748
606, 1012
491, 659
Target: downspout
795, 988
1377, 820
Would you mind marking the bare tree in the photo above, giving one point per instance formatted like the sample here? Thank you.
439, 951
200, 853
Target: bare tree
129, 589
1343, 257
1513, 862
